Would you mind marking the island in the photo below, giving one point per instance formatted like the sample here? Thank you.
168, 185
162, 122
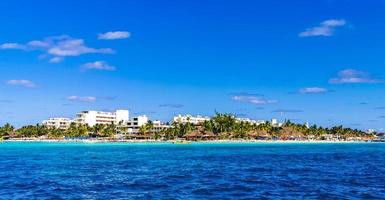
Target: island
220, 127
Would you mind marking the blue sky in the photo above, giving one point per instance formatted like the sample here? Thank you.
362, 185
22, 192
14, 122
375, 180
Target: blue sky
316, 61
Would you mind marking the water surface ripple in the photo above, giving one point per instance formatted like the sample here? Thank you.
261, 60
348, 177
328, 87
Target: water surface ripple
196, 171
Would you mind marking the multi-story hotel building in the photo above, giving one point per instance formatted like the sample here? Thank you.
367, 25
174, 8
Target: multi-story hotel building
135, 123
190, 119
92, 117
58, 122
119, 118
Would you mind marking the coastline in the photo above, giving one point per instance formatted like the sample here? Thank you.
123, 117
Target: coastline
190, 142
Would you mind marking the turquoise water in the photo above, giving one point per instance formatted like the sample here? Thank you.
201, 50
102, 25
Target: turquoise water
194, 171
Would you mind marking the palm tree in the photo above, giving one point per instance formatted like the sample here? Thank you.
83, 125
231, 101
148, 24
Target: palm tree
143, 129
83, 130
109, 130
7, 129
121, 128
150, 126
223, 123
72, 130
208, 126
97, 129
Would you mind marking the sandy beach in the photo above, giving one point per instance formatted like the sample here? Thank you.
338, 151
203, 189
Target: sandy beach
181, 141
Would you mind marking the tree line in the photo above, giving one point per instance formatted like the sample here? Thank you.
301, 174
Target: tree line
221, 126
74, 130
226, 126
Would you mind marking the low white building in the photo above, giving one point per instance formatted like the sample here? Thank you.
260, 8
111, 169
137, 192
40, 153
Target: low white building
92, 117
190, 119
58, 122
158, 126
252, 121
274, 122
134, 124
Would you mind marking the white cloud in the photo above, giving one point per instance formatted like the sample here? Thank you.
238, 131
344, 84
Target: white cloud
23, 83
81, 99
114, 35
98, 65
12, 46
56, 59
313, 90
58, 47
38, 44
326, 28
353, 76
334, 22
251, 98
67, 46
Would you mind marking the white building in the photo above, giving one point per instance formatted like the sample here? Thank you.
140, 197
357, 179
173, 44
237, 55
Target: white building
92, 117
133, 125
370, 131
58, 122
274, 122
158, 126
190, 119
252, 121
261, 122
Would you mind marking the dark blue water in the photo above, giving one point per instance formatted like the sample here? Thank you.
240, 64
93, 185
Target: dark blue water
195, 171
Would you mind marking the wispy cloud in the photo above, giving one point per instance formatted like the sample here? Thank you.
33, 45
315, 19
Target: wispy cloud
325, 28
251, 98
353, 76
56, 59
81, 98
114, 35
287, 111
12, 46
171, 105
380, 108
98, 65
56, 48
21, 82
381, 117
108, 98
313, 90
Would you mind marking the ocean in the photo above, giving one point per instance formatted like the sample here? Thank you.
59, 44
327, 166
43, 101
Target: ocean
49, 170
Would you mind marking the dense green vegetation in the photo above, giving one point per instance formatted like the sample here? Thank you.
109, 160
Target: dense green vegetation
221, 126
75, 130
225, 126
6, 130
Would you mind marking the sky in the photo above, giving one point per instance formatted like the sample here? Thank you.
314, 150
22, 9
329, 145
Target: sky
321, 62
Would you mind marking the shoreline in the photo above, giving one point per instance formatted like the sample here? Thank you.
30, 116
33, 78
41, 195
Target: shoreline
189, 142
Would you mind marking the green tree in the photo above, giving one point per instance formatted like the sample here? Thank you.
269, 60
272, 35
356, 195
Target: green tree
7, 129
109, 130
